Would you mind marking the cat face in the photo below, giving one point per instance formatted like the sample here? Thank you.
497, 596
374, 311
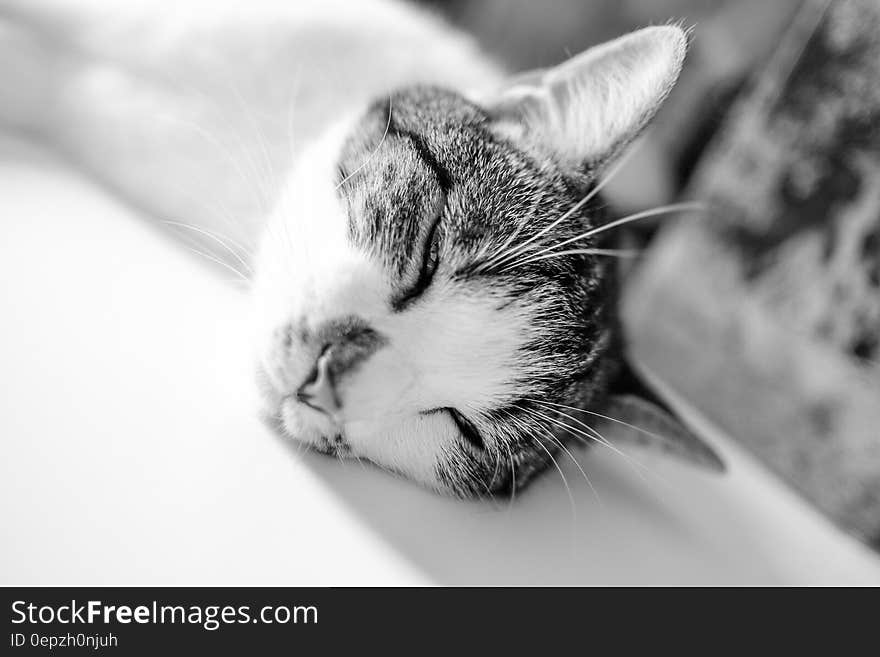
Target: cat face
404, 270
427, 297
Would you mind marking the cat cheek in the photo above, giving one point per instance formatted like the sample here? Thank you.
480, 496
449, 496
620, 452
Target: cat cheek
384, 386
413, 446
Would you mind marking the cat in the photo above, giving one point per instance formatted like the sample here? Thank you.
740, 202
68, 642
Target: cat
432, 268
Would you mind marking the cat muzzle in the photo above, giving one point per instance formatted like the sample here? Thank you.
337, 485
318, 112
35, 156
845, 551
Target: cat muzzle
319, 391
348, 348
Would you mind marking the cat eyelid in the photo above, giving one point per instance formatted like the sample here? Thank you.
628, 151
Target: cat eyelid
466, 428
428, 263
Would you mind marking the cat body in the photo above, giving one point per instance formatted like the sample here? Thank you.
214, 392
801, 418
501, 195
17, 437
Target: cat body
434, 285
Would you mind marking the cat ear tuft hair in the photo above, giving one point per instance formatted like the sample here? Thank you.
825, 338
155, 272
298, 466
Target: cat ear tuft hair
586, 110
642, 419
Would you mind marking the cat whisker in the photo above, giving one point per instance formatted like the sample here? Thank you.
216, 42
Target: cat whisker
360, 463
251, 178
191, 243
512, 476
267, 178
236, 281
586, 438
495, 472
625, 424
270, 174
635, 428
487, 487
561, 474
613, 253
640, 469
279, 197
223, 264
694, 206
597, 437
263, 182
612, 172
527, 431
375, 150
216, 209
576, 462
558, 442
218, 240
486, 262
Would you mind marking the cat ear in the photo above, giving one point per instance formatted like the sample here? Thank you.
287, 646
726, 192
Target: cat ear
587, 109
641, 418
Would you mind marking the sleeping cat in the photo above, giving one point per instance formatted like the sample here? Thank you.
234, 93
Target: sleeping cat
434, 275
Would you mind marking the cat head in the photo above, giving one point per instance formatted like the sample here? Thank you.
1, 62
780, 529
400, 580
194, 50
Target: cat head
429, 295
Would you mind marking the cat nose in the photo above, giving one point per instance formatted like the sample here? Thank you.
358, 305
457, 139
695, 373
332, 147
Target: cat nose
350, 344
319, 390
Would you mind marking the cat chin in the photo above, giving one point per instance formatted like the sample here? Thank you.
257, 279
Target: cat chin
418, 447
425, 448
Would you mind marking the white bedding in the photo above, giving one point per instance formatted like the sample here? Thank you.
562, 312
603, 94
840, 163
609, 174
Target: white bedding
131, 454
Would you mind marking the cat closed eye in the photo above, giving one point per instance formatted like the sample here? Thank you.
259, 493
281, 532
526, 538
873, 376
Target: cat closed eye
430, 261
469, 433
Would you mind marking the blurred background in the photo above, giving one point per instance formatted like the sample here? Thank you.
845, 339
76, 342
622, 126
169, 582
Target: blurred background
730, 39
